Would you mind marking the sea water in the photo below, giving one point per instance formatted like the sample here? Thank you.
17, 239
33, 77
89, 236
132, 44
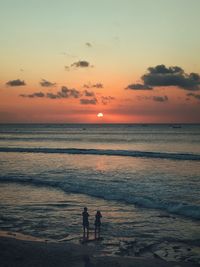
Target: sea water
145, 180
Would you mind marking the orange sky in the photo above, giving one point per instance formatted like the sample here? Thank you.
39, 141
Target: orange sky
109, 43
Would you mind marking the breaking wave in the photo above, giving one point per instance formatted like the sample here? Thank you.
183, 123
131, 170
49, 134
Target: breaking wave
111, 194
107, 152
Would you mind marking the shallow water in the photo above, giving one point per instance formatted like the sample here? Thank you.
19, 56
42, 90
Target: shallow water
149, 198
51, 213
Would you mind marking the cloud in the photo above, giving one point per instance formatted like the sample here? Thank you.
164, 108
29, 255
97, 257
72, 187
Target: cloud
17, 82
67, 68
140, 98
68, 54
160, 98
92, 101
63, 93
46, 83
52, 96
106, 99
37, 94
138, 86
161, 75
96, 85
81, 64
194, 95
88, 44
154, 98
87, 86
89, 93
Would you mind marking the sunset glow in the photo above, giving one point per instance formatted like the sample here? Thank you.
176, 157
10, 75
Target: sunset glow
63, 64
100, 115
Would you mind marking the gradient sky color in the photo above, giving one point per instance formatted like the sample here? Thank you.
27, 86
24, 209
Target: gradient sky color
65, 61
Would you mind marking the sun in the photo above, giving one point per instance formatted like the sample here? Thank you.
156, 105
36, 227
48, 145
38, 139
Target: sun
100, 115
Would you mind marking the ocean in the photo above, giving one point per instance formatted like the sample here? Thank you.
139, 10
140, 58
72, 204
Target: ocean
145, 180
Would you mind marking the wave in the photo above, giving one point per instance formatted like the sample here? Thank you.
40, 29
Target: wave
107, 152
175, 207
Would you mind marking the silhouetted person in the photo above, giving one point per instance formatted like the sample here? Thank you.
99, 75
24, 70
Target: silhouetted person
97, 224
85, 215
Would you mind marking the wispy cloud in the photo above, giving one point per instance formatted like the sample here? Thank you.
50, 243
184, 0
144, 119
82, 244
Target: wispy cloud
88, 44
37, 94
95, 85
85, 101
138, 86
67, 68
107, 99
63, 93
160, 98
154, 98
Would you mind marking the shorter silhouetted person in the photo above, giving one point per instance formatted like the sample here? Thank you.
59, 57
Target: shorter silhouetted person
97, 224
85, 215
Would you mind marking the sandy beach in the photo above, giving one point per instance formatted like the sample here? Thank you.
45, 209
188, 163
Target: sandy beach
20, 250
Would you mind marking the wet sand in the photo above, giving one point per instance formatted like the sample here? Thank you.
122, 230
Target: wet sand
17, 250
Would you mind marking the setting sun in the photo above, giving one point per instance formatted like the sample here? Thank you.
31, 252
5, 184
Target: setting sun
100, 115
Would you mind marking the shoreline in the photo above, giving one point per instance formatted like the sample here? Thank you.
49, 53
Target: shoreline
20, 250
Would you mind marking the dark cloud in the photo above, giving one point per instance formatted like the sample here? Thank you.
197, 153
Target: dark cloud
17, 82
138, 86
154, 98
46, 83
52, 96
63, 93
172, 76
139, 97
37, 94
81, 64
194, 95
160, 98
89, 93
88, 44
92, 101
106, 99
161, 75
96, 85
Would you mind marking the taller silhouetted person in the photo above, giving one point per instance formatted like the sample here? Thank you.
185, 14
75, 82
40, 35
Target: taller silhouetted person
85, 215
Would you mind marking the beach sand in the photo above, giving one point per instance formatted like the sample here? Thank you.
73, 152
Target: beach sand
17, 250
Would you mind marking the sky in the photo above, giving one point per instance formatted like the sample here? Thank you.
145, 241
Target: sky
65, 61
